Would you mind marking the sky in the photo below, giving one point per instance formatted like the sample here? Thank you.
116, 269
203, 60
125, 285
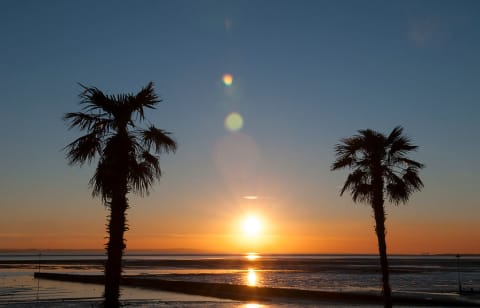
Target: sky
304, 75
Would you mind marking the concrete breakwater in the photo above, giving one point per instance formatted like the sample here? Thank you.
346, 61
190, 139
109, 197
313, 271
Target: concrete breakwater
248, 293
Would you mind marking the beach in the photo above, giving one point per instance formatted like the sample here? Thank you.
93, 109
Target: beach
237, 281
240, 153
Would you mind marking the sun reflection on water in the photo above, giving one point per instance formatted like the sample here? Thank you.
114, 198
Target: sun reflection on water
251, 277
252, 256
251, 305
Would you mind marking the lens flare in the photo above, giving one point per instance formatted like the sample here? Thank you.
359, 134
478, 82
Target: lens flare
228, 24
227, 80
234, 122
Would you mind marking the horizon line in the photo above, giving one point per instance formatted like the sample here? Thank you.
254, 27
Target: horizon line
186, 251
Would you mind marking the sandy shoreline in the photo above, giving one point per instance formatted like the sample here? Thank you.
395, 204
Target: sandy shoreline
80, 303
264, 294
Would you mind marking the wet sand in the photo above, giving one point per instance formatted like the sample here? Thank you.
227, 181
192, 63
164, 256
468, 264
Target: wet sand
264, 294
129, 303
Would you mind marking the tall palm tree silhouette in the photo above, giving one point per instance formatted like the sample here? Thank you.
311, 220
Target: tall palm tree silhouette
128, 161
380, 167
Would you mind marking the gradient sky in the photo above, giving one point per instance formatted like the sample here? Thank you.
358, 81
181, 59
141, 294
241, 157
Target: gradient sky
305, 74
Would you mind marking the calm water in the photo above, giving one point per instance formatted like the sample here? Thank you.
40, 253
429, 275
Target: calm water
410, 274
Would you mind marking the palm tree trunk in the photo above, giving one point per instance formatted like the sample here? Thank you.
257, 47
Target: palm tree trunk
115, 247
117, 223
382, 247
379, 213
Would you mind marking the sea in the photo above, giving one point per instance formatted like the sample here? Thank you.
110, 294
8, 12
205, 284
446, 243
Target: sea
428, 276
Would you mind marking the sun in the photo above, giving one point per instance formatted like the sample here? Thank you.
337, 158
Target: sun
252, 226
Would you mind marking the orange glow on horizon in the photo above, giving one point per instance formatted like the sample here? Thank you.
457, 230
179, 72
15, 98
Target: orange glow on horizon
224, 233
364, 243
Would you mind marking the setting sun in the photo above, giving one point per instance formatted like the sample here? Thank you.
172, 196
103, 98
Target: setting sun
252, 226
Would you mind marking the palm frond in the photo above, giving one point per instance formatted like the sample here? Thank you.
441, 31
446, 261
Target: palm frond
101, 182
391, 176
145, 98
95, 100
346, 153
126, 163
158, 139
354, 179
342, 162
398, 192
362, 193
395, 134
406, 162
351, 145
412, 179
372, 155
398, 144
365, 162
84, 149
152, 161
372, 144
89, 122
141, 177
81, 120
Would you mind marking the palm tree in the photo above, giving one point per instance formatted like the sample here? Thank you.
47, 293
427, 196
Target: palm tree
128, 161
380, 168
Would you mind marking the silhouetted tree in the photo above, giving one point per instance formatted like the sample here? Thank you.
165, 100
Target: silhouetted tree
128, 161
379, 167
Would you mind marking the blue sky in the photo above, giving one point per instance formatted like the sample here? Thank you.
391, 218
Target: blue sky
306, 73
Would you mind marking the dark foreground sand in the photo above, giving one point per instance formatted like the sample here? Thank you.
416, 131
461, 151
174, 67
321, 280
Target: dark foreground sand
129, 303
257, 294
